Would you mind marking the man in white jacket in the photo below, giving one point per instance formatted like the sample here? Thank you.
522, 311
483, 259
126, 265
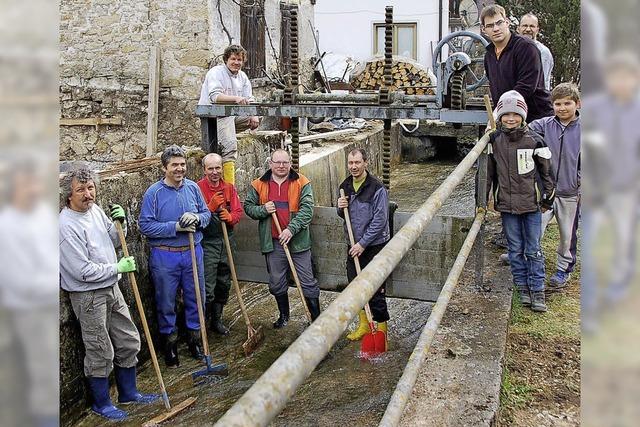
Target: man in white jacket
227, 83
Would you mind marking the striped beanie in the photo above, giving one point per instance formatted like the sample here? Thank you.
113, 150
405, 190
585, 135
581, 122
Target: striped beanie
511, 102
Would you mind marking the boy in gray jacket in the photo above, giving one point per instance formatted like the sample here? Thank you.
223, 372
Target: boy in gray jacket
561, 134
518, 159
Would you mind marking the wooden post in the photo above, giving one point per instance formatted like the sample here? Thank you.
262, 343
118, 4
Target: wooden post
154, 94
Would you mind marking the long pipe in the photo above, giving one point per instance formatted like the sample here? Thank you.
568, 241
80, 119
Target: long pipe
271, 392
404, 388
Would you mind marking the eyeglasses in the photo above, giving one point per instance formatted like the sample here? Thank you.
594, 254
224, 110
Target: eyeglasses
498, 23
280, 163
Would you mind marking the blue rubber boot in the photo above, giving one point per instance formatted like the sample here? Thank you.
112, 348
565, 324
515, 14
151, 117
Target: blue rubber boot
102, 402
127, 390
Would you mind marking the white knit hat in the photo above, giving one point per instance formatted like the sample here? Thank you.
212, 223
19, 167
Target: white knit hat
511, 102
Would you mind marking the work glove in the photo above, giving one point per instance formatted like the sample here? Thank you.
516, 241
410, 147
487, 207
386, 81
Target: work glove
187, 219
225, 216
126, 264
188, 229
116, 212
546, 204
216, 201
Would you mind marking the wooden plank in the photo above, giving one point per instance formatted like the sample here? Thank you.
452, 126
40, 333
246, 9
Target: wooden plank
341, 132
170, 413
154, 94
91, 121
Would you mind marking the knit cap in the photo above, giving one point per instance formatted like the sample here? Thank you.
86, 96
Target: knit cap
511, 102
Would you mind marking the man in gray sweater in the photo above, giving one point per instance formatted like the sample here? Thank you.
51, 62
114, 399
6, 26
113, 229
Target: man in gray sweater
89, 272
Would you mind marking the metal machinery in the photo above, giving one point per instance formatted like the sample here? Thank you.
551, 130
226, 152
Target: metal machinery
455, 77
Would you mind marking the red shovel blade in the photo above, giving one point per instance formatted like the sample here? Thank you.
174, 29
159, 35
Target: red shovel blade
373, 343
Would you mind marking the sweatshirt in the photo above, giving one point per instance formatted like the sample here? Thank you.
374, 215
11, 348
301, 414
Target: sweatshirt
564, 143
87, 250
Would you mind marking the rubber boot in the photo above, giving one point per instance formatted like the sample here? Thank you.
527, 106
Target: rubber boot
382, 326
171, 350
229, 172
127, 389
537, 302
525, 295
102, 402
283, 308
362, 329
314, 307
216, 319
195, 346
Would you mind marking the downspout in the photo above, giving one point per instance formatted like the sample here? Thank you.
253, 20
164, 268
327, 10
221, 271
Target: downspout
440, 20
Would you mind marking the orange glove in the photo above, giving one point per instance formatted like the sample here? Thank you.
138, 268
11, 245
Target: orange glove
225, 216
216, 201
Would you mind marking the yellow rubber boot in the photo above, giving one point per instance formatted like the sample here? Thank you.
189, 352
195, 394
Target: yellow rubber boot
229, 172
382, 327
362, 329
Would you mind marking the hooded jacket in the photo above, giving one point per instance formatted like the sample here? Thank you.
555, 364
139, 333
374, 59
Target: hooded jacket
564, 143
518, 160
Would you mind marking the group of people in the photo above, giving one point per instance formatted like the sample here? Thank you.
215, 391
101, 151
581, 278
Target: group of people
534, 167
176, 208
534, 154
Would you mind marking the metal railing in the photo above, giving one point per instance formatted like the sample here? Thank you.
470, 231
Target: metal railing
270, 393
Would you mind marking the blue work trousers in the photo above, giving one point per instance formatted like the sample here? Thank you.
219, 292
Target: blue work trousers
171, 271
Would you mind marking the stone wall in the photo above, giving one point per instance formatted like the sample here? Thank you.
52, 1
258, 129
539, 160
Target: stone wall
104, 56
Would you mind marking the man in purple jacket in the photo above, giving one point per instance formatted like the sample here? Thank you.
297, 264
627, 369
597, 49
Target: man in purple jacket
512, 62
368, 203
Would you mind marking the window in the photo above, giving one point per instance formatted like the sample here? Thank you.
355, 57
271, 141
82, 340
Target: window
405, 39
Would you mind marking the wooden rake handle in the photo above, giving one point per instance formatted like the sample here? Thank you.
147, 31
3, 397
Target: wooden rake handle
356, 260
234, 276
143, 318
487, 106
293, 268
196, 284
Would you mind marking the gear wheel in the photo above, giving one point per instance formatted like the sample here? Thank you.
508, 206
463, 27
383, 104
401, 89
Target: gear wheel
458, 91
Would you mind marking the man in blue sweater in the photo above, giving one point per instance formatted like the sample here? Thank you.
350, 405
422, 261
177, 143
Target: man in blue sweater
368, 203
172, 208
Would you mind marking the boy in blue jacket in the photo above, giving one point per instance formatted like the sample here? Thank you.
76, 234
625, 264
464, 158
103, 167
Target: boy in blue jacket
561, 134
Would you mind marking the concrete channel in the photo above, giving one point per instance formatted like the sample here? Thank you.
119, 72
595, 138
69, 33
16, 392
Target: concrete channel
459, 384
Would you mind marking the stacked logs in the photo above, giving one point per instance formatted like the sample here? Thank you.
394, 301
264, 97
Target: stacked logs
409, 77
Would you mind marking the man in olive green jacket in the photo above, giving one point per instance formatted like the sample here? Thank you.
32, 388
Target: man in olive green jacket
289, 195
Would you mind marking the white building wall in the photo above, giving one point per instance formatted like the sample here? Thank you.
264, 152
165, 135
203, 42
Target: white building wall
346, 27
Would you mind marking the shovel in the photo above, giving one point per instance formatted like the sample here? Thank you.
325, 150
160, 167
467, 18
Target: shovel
219, 369
374, 342
171, 412
293, 269
254, 336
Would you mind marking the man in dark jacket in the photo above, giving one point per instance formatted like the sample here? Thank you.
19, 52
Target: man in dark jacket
512, 62
368, 204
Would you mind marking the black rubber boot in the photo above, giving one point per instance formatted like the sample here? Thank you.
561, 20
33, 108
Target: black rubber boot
314, 307
283, 307
216, 319
537, 302
195, 346
171, 350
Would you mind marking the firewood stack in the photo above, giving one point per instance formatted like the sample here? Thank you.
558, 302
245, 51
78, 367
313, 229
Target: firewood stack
409, 77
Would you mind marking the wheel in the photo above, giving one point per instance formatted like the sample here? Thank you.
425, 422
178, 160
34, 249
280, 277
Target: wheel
473, 45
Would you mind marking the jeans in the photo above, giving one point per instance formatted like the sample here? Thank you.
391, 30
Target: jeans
525, 256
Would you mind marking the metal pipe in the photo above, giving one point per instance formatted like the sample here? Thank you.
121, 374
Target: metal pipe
270, 393
404, 388
337, 97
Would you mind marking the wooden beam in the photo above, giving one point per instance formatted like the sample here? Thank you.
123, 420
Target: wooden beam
91, 121
154, 93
